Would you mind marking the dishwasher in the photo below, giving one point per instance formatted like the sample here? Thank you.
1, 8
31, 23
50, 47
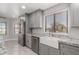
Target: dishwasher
35, 44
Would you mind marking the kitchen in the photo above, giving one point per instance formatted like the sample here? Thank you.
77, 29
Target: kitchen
50, 31
59, 41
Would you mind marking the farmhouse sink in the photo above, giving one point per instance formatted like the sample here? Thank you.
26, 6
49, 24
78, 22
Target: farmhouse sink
50, 41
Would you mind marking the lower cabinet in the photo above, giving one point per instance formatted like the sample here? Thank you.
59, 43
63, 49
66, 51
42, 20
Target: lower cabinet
43, 49
66, 49
28, 41
21, 39
47, 50
53, 51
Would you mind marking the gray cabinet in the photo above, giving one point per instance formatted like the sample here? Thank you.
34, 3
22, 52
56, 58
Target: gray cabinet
31, 20
43, 49
20, 39
53, 51
66, 49
74, 15
38, 20
47, 50
28, 41
35, 19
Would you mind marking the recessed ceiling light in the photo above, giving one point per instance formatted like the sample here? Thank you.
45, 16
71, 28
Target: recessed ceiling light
23, 7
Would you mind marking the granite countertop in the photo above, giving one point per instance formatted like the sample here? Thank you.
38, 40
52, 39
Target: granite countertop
68, 40
36, 35
39, 34
62, 39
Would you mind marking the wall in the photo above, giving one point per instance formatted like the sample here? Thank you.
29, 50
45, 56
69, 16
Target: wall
13, 21
52, 10
59, 8
10, 28
73, 16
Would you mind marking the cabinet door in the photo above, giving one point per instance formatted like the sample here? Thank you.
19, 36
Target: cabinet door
43, 49
34, 19
31, 20
74, 15
28, 41
21, 40
53, 51
69, 49
38, 19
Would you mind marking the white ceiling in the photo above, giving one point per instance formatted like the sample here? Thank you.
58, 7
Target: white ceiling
15, 9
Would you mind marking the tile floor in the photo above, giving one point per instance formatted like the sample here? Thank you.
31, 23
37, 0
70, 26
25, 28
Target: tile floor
13, 48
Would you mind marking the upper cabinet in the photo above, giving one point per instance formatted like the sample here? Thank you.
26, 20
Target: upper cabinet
74, 15
35, 19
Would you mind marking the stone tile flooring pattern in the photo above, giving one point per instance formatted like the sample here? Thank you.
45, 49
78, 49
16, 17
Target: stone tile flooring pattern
13, 48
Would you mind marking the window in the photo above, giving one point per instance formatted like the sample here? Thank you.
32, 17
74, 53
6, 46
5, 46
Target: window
2, 28
57, 22
61, 22
49, 23
16, 28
